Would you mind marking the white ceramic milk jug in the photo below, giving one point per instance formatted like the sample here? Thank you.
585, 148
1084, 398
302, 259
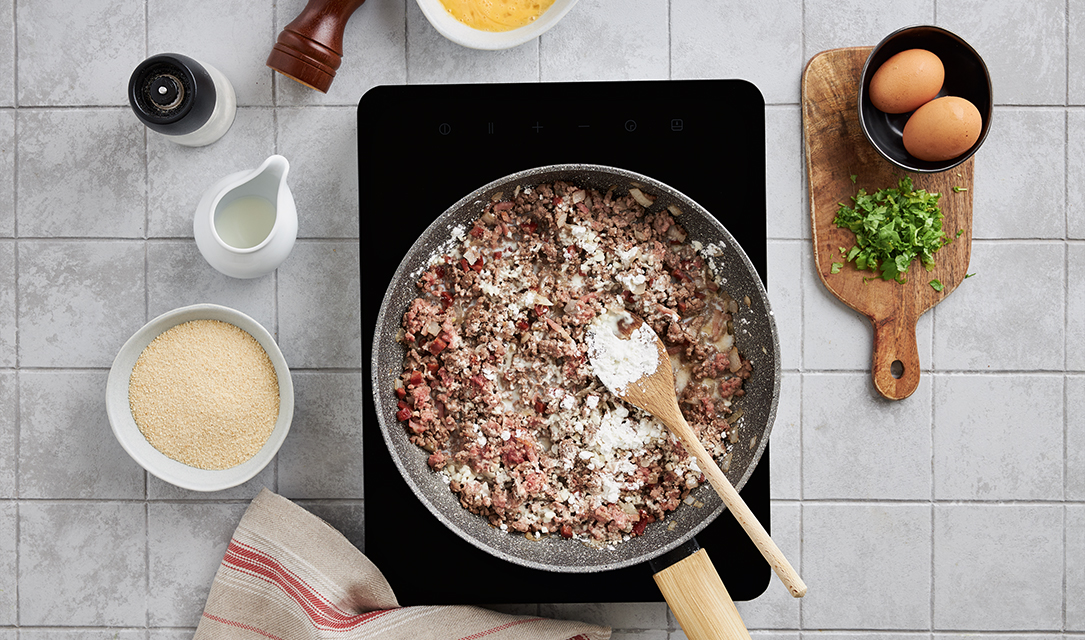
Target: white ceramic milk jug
246, 223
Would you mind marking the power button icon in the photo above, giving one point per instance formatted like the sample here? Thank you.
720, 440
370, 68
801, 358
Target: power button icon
444, 129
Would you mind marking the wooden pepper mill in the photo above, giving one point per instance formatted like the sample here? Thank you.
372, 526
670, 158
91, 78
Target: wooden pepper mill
310, 48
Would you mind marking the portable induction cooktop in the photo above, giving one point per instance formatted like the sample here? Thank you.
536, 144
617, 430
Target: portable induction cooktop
423, 147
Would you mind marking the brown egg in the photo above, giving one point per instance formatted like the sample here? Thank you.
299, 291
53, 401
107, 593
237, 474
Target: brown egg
906, 81
942, 129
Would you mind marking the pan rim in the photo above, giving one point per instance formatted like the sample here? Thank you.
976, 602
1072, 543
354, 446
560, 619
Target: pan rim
529, 177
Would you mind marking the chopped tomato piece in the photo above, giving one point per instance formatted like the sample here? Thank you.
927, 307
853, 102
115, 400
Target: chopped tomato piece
522, 326
477, 231
416, 378
403, 414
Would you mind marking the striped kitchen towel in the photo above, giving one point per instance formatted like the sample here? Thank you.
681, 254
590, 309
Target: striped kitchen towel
288, 575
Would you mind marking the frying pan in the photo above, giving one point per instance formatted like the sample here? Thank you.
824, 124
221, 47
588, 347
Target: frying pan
755, 335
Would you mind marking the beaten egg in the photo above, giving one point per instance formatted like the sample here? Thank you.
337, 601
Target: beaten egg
942, 129
496, 15
906, 81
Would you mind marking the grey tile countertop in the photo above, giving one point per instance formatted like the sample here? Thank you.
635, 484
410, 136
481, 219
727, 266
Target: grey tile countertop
957, 513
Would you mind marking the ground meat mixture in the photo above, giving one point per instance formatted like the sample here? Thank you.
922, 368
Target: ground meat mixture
497, 387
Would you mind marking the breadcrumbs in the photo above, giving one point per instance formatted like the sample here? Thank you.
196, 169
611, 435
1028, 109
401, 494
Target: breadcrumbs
205, 393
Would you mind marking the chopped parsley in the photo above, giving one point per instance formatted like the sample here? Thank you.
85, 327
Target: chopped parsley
837, 266
959, 189
893, 227
936, 285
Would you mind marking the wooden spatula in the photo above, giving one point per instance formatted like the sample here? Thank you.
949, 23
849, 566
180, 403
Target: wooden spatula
655, 393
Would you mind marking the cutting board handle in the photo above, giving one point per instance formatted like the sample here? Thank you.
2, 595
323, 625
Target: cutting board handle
696, 595
896, 357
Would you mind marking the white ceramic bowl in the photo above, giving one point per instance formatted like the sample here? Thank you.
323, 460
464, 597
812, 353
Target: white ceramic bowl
153, 460
462, 34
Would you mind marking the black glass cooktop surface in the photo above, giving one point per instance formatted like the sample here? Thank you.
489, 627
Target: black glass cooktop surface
423, 147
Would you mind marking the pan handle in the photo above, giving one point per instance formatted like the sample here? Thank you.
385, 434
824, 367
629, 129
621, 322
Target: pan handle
697, 597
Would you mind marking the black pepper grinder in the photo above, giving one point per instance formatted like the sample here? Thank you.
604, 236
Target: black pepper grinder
191, 103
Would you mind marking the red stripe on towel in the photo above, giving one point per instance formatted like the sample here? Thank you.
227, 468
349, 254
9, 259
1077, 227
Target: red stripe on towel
232, 623
320, 611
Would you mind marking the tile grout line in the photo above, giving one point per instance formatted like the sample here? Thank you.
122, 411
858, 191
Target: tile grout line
17, 298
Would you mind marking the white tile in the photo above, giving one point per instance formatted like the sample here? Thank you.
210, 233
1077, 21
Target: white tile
7, 53
607, 40
236, 42
323, 177
997, 320
867, 565
9, 572
859, 445
178, 275
185, 545
78, 301
319, 308
1075, 308
7, 171
785, 278
66, 446
91, 556
785, 175
1025, 146
785, 441
760, 42
830, 24
1075, 173
1022, 43
998, 567
982, 448
326, 433
162, 490
996, 636
1076, 53
776, 608
179, 176
8, 328
9, 402
1075, 438
78, 53
1075, 567
81, 173
374, 53
431, 58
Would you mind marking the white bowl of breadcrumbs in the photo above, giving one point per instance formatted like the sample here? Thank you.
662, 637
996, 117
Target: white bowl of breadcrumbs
201, 397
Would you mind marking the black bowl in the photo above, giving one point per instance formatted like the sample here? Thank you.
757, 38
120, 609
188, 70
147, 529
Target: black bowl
966, 77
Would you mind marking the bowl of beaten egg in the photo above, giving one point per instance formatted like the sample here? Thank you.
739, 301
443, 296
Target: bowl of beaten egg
925, 99
201, 397
493, 24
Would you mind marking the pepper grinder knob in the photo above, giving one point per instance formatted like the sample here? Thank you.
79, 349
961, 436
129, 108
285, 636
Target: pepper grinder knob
310, 48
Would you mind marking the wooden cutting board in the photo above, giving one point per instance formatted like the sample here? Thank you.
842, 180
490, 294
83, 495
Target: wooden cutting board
836, 150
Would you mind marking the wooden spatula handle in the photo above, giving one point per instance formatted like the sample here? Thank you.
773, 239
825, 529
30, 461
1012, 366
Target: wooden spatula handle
738, 507
700, 602
896, 357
